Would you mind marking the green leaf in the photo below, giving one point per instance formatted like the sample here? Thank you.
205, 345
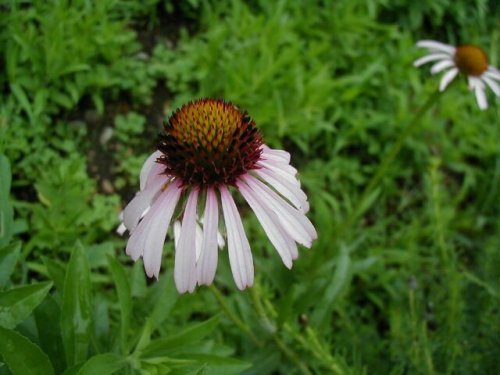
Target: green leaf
40, 103
23, 100
335, 286
56, 272
6, 211
9, 256
76, 311
47, 317
102, 364
22, 356
187, 337
17, 304
124, 298
215, 365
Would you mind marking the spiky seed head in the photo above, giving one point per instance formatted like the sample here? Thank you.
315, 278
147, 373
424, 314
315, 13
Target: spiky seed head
209, 142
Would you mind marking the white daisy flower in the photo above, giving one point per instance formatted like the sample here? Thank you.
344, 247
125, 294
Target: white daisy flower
209, 149
469, 60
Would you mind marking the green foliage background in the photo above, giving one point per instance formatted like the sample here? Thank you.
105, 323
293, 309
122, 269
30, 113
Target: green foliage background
406, 281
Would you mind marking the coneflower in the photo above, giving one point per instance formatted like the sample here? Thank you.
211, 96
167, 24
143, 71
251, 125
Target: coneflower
208, 150
469, 60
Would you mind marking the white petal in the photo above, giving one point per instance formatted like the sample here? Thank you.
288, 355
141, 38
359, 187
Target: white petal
472, 82
442, 65
135, 244
137, 240
294, 222
198, 241
481, 97
160, 214
121, 229
147, 167
185, 252
437, 46
447, 78
220, 240
240, 256
493, 73
495, 87
207, 263
177, 232
429, 58
137, 206
270, 223
291, 192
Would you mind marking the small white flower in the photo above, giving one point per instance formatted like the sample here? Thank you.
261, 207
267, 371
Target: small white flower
208, 148
469, 60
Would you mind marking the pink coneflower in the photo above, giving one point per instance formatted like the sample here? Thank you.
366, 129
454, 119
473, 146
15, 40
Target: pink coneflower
467, 59
208, 150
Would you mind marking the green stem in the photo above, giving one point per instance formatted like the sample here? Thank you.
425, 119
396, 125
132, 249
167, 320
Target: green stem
271, 327
386, 163
316, 348
241, 325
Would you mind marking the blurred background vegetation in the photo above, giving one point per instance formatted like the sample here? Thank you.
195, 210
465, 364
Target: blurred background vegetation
409, 283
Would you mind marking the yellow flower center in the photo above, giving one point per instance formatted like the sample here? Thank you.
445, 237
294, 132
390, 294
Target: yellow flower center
209, 142
471, 60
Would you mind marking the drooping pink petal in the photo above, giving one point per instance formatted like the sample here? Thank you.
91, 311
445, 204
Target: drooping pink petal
294, 222
280, 172
147, 167
159, 211
270, 223
185, 252
160, 214
135, 244
240, 256
137, 206
278, 155
291, 192
207, 263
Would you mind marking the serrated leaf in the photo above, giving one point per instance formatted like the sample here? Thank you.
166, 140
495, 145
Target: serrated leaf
187, 337
76, 311
22, 356
124, 299
102, 364
17, 304
9, 256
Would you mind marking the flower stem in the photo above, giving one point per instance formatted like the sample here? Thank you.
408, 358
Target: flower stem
386, 163
274, 331
231, 315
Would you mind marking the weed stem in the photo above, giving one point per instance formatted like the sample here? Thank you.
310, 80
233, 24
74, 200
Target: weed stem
386, 163
231, 315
